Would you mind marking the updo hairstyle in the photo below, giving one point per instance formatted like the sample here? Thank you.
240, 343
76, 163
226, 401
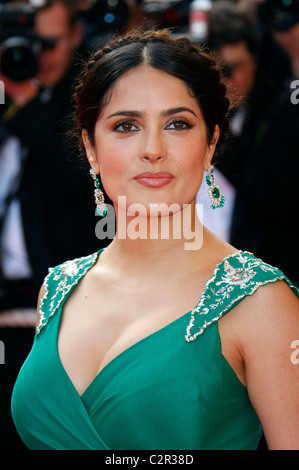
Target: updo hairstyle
177, 56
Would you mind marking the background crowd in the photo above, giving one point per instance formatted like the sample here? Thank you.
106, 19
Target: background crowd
47, 211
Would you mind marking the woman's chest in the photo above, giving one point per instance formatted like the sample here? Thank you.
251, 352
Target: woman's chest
96, 328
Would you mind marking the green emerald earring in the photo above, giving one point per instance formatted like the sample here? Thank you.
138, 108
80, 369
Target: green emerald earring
217, 200
101, 208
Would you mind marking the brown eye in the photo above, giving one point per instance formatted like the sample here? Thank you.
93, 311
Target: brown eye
125, 127
178, 125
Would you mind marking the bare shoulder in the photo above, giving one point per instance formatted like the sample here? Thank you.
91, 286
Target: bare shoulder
278, 291
272, 305
267, 318
268, 326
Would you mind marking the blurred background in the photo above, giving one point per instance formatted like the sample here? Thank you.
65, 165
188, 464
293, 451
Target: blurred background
47, 211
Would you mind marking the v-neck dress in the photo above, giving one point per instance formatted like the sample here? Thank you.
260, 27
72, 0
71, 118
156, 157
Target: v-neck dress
172, 390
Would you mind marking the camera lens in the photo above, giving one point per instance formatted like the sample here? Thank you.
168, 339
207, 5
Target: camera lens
279, 14
18, 60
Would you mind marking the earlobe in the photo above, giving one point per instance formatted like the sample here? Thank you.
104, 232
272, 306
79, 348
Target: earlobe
211, 148
90, 151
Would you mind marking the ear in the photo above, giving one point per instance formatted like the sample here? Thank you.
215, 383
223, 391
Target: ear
211, 147
90, 152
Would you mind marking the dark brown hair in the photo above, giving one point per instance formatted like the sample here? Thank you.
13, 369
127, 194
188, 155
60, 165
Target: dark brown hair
177, 56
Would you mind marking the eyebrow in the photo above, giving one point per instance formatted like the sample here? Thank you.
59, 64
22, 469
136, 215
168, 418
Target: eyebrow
166, 113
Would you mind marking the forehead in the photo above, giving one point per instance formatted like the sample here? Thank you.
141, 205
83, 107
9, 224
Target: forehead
236, 52
145, 86
52, 21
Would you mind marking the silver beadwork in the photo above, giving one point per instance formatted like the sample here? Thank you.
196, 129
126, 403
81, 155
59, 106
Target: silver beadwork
66, 276
223, 290
232, 280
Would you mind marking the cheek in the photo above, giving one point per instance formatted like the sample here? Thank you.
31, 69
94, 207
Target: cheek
112, 168
241, 79
192, 168
194, 156
186, 159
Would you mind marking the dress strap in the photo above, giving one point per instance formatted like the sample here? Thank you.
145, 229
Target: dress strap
237, 276
58, 285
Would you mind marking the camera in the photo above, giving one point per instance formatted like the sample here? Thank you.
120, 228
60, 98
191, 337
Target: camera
19, 46
279, 14
103, 19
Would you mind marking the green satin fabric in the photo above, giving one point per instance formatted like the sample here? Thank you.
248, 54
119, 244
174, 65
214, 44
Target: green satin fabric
162, 393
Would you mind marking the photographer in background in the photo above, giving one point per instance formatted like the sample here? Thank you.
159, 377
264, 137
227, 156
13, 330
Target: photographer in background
265, 216
284, 25
43, 193
34, 118
232, 39
103, 18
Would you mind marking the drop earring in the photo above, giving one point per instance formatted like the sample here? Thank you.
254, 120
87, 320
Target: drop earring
101, 208
217, 200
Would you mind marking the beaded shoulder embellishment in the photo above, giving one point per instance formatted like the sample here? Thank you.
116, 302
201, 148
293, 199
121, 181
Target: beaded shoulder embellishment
58, 284
237, 276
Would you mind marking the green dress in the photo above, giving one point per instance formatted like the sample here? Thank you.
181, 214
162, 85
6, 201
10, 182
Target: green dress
173, 390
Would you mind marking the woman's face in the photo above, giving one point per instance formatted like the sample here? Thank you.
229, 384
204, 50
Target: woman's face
151, 140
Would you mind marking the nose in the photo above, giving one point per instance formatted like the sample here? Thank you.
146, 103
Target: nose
153, 147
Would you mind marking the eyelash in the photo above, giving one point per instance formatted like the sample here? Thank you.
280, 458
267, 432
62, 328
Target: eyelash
117, 126
184, 121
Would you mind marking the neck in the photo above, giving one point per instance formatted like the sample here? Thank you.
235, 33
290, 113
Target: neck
152, 240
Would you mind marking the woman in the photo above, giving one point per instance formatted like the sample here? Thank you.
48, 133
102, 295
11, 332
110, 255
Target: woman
117, 363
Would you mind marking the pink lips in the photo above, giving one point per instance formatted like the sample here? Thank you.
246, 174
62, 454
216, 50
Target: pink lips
154, 180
